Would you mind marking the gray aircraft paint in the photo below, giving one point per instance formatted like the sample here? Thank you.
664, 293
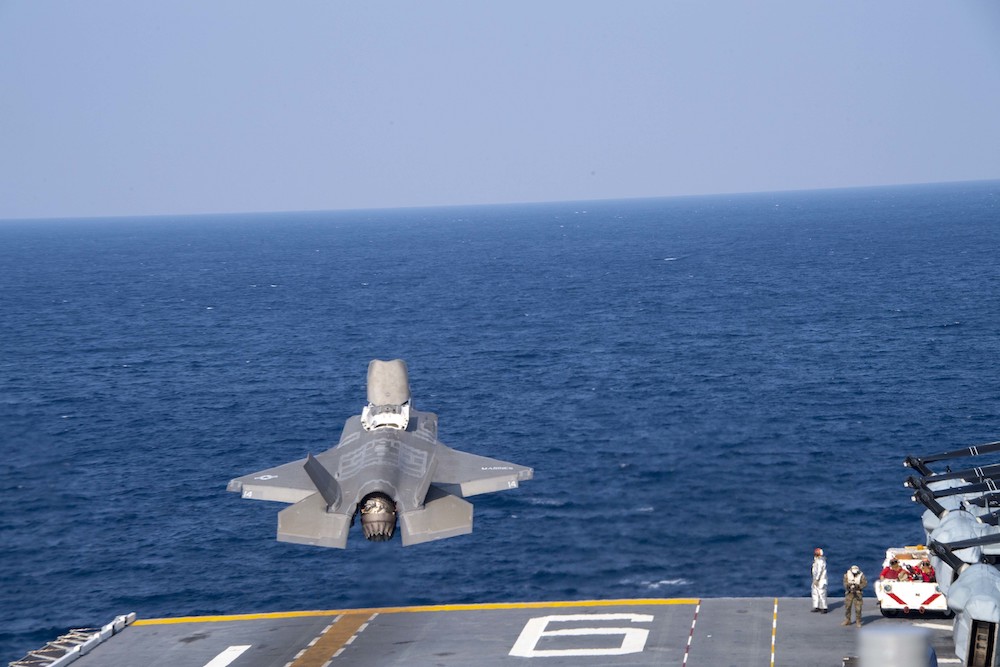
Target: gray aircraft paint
426, 479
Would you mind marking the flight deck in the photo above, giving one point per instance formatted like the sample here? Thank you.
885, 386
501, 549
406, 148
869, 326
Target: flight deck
684, 632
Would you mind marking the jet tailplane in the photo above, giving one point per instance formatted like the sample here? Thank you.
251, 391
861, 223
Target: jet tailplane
443, 515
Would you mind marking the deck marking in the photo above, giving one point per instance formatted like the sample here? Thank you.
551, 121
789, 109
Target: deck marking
633, 639
443, 607
774, 629
687, 649
934, 626
332, 641
227, 656
310, 644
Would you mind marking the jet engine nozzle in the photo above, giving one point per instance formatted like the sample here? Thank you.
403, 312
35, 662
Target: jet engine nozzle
378, 517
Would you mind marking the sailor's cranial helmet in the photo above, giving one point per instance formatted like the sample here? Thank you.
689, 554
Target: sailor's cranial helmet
818, 552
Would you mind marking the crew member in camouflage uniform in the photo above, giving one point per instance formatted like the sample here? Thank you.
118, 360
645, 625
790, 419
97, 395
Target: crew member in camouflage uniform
854, 585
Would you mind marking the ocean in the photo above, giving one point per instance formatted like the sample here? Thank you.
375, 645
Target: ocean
708, 388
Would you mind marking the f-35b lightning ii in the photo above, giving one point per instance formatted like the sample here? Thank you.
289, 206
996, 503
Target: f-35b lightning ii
388, 463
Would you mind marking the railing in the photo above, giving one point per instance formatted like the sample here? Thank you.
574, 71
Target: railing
75, 643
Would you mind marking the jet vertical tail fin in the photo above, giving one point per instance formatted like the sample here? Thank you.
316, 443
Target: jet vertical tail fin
324, 481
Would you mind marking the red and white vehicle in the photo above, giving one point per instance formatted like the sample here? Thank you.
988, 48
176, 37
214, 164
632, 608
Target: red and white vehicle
909, 594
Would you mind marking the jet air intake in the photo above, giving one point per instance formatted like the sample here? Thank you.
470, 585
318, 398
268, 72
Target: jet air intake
378, 517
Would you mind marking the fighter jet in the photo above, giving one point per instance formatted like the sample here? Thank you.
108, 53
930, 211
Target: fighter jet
388, 463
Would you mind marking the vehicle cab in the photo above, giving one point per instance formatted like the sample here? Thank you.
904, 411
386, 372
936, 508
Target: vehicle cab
908, 584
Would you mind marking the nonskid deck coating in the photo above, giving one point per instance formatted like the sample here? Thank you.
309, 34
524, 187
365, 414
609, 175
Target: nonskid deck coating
686, 632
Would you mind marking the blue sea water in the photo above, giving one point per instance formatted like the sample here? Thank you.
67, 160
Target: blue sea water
707, 388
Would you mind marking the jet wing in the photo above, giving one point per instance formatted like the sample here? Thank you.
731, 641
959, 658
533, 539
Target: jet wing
288, 483
308, 519
464, 474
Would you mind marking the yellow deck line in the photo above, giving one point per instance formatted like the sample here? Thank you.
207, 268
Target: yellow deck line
774, 629
400, 610
333, 639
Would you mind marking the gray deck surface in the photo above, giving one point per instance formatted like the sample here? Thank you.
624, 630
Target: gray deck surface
723, 632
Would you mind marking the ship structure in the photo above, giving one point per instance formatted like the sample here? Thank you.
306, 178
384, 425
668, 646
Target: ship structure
388, 467
960, 522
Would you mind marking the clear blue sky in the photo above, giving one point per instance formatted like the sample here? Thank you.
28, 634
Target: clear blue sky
114, 107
